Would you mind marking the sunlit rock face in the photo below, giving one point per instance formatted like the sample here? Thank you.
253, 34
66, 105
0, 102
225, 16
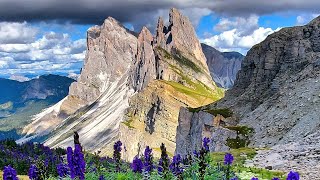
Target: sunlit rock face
276, 92
131, 89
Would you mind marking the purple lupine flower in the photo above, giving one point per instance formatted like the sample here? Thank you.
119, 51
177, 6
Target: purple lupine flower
117, 154
80, 163
148, 164
101, 177
33, 172
175, 167
275, 178
9, 173
117, 146
76, 162
228, 159
206, 142
137, 165
62, 170
254, 178
235, 178
70, 162
196, 154
160, 166
293, 176
163, 165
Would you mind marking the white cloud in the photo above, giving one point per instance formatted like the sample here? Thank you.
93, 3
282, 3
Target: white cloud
16, 33
73, 75
14, 48
305, 18
52, 52
19, 78
238, 34
244, 26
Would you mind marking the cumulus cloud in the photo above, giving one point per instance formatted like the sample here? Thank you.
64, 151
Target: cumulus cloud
236, 37
73, 75
51, 52
245, 26
305, 18
16, 33
19, 78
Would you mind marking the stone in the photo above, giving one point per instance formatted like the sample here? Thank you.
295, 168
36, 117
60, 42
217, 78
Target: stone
131, 88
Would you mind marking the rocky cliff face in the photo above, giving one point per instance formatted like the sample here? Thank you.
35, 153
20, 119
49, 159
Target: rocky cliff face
131, 88
276, 92
223, 66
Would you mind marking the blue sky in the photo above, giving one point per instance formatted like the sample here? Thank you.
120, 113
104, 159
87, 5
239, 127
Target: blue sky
31, 45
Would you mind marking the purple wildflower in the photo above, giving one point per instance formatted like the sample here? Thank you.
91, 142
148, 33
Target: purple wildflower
254, 178
148, 164
163, 165
62, 170
235, 178
228, 159
137, 165
206, 142
117, 154
9, 173
293, 176
76, 162
101, 177
33, 172
117, 146
275, 178
175, 166
196, 154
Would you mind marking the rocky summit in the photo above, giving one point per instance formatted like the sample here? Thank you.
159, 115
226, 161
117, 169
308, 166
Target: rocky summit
275, 103
131, 88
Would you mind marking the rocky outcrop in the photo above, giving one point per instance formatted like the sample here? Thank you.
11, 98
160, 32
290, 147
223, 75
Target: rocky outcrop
181, 80
131, 88
99, 97
194, 126
302, 155
276, 92
223, 66
145, 65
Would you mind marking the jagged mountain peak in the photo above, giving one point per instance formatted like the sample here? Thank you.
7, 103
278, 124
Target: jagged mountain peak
180, 36
145, 35
131, 84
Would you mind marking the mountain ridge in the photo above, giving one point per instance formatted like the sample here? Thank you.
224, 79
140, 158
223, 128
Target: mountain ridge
19, 101
274, 104
131, 86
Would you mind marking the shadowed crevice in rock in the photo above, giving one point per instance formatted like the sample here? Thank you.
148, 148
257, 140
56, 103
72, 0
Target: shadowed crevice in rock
151, 115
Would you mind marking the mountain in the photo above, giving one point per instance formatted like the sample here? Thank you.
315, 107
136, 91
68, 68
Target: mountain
131, 88
19, 101
275, 103
223, 66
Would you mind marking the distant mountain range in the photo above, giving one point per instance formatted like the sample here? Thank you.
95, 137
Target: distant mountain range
223, 66
19, 101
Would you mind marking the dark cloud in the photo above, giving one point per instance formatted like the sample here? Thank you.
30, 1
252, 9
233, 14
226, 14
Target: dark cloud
95, 11
247, 7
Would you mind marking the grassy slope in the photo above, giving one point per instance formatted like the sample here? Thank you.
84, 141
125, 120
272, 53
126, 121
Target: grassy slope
23, 115
195, 88
240, 156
